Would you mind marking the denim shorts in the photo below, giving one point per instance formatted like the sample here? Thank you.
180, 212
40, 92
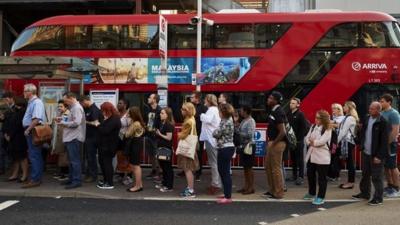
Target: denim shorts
391, 161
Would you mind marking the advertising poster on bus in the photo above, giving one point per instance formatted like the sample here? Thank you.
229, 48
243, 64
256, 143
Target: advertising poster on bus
123, 70
223, 70
179, 70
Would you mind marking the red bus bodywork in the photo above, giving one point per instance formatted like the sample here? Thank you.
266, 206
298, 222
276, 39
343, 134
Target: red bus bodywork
273, 64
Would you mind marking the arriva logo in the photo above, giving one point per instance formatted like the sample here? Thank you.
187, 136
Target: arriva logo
357, 66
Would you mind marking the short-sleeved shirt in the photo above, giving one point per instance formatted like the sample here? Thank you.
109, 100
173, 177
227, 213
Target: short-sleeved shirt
92, 113
35, 110
392, 116
164, 129
277, 116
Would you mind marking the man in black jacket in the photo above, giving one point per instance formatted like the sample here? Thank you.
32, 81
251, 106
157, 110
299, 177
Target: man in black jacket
374, 146
300, 127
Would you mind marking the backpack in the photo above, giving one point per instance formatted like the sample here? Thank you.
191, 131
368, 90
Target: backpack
290, 137
333, 144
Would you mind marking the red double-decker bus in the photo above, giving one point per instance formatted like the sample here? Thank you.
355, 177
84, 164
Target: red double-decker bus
320, 58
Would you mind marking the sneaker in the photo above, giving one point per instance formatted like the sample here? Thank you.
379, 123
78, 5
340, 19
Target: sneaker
224, 201
165, 189
333, 179
159, 186
360, 196
187, 193
393, 194
62, 178
318, 201
57, 176
299, 181
308, 197
105, 186
100, 183
127, 181
374, 202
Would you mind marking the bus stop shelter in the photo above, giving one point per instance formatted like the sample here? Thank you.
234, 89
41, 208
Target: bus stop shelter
46, 68
54, 75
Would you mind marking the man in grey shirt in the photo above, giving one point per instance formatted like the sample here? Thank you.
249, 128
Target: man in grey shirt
73, 137
374, 146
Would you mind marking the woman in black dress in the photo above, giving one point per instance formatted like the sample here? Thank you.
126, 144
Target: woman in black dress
134, 146
18, 147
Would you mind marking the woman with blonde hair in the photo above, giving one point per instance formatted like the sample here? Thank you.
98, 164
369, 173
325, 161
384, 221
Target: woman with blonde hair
210, 122
188, 165
134, 145
346, 141
318, 157
337, 118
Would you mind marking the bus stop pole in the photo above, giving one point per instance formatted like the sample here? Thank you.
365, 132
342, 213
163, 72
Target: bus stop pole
198, 49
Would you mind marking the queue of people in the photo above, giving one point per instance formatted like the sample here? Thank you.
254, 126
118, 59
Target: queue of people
122, 133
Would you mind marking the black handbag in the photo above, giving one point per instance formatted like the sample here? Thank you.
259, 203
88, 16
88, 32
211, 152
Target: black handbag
164, 154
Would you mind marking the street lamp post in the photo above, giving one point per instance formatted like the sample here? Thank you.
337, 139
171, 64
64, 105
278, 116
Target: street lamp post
198, 49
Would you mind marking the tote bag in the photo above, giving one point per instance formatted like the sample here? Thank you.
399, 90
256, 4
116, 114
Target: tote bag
187, 147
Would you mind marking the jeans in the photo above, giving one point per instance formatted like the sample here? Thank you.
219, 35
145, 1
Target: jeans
273, 168
91, 159
75, 170
224, 167
297, 157
168, 173
35, 156
212, 155
105, 160
312, 170
374, 171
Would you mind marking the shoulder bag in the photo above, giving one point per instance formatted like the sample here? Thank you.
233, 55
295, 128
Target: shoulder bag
187, 147
42, 133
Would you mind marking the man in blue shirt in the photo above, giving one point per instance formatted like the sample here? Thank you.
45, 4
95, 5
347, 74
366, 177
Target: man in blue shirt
391, 170
34, 115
